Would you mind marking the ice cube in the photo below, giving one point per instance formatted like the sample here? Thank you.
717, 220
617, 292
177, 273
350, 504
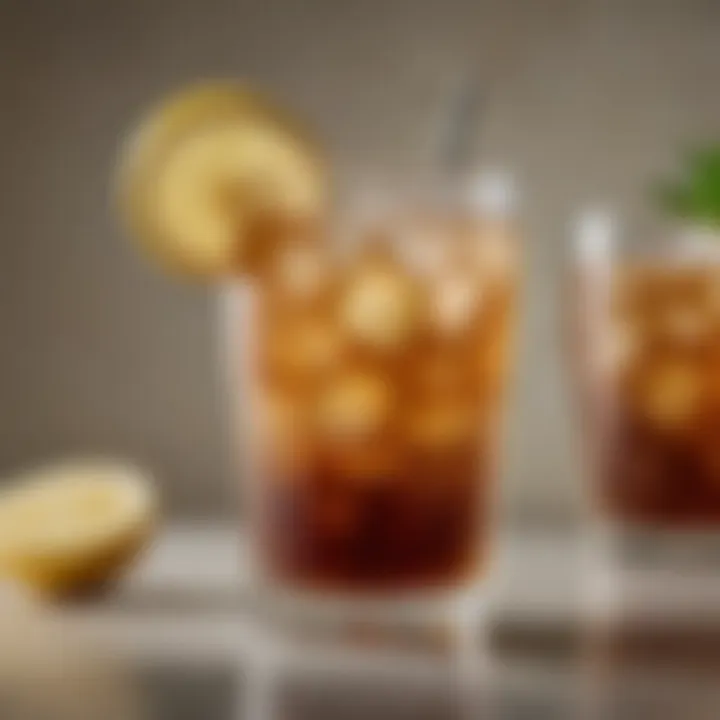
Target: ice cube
442, 425
496, 253
492, 192
356, 405
304, 347
455, 302
278, 416
371, 463
686, 325
424, 248
672, 394
301, 270
380, 308
317, 345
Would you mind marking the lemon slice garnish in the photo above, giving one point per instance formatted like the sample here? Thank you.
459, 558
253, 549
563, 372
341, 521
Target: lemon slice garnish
204, 166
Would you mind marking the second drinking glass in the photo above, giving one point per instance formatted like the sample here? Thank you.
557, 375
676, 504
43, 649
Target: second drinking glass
647, 351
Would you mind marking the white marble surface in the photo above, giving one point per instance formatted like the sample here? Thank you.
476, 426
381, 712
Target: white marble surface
183, 605
536, 575
186, 599
542, 576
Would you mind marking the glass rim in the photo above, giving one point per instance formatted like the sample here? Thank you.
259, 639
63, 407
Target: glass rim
599, 237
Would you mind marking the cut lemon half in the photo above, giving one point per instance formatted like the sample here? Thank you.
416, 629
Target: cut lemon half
71, 528
204, 166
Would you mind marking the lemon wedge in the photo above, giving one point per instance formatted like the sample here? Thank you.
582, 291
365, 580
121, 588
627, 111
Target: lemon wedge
204, 166
71, 528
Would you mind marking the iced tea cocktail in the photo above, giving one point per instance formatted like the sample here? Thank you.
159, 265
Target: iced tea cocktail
366, 366
377, 380
652, 385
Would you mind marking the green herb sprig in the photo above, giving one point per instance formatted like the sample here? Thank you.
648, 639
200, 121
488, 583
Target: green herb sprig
694, 196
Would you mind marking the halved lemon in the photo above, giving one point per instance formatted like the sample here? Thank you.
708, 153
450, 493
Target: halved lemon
71, 528
205, 167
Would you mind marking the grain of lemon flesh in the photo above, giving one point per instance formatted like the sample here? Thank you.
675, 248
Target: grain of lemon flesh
203, 166
72, 528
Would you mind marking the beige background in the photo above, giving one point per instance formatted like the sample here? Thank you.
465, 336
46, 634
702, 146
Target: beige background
584, 100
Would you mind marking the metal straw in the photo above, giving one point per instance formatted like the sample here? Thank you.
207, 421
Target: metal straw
458, 130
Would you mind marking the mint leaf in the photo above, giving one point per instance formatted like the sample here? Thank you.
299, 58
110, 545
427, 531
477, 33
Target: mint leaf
695, 195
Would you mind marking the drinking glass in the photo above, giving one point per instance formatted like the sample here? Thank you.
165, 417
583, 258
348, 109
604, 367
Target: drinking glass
367, 362
645, 344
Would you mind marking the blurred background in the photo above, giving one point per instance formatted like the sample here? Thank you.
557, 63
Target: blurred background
583, 100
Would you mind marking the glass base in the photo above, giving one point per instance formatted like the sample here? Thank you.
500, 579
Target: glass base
646, 548
653, 573
434, 621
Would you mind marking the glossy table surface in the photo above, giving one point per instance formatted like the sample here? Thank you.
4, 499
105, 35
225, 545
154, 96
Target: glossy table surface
185, 645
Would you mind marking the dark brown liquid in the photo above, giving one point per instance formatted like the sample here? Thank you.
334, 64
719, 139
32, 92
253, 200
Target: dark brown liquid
382, 534
654, 420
